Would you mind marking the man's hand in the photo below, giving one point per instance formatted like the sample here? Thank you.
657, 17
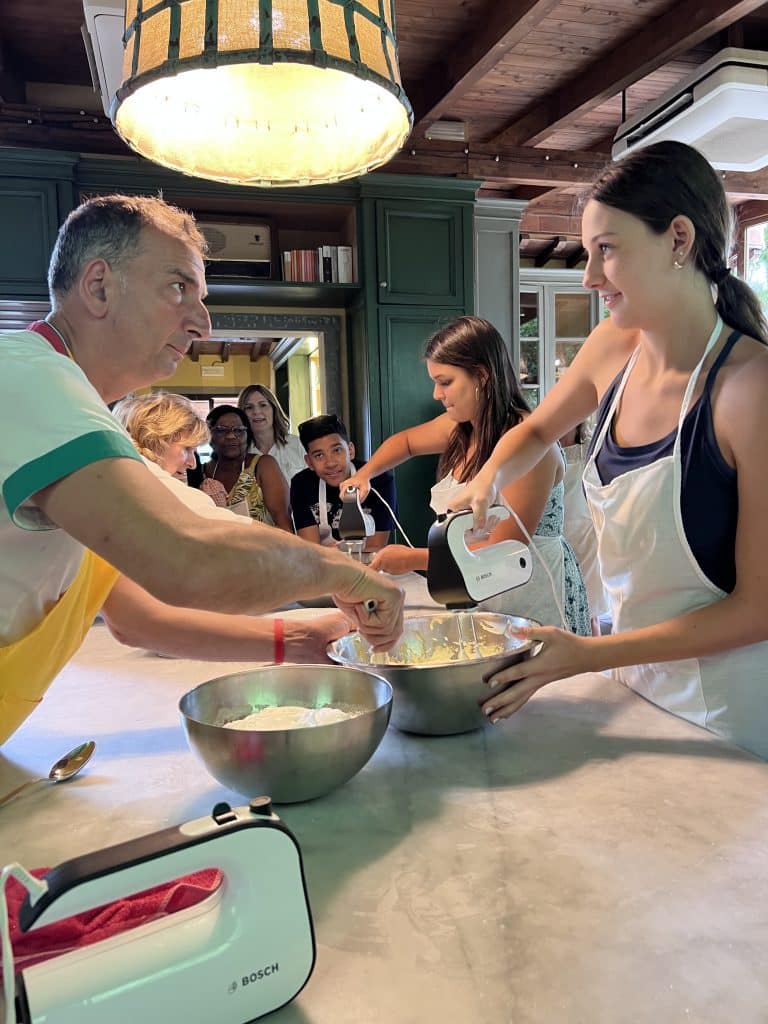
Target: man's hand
383, 624
306, 640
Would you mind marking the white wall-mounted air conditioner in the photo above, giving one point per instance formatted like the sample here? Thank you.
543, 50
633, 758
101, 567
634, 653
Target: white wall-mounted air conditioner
721, 109
103, 38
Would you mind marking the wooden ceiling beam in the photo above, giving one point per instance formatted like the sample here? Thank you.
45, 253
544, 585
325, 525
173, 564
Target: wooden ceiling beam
551, 251
255, 351
500, 27
576, 257
743, 185
686, 24
521, 165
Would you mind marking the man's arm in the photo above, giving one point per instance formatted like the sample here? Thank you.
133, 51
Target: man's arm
137, 619
118, 509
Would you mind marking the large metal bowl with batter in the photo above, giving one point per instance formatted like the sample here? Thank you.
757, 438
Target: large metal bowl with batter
437, 669
291, 764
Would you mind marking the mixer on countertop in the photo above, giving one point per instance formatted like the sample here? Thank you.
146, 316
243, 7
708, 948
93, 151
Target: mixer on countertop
245, 950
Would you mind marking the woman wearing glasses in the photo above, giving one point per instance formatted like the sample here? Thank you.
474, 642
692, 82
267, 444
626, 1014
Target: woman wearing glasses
251, 485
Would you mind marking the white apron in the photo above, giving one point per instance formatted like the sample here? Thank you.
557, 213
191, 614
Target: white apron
650, 575
579, 529
326, 530
534, 600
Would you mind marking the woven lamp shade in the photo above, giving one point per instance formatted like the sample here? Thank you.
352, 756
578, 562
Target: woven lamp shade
262, 92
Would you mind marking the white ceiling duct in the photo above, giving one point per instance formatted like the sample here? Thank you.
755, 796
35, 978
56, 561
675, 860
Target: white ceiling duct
721, 109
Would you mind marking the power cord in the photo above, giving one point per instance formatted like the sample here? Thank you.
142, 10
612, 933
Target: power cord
536, 553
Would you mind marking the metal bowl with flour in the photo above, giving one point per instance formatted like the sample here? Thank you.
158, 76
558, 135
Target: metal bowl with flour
288, 764
437, 669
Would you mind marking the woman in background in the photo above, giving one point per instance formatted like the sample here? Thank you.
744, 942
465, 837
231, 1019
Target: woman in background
166, 428
270, 428
473, 377
250, 485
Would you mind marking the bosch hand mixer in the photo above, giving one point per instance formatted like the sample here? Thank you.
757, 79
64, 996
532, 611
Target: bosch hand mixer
459, 577
245, 950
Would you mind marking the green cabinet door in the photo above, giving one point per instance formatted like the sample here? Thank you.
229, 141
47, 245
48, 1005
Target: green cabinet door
29, 219
420, 253
406, 399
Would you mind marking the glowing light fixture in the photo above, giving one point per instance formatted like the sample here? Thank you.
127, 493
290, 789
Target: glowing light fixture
262, 92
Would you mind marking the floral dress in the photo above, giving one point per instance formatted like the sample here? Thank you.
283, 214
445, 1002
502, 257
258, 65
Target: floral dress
576, 605
248, 491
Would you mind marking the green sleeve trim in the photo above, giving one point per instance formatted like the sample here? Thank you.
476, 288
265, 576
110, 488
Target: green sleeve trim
60, 462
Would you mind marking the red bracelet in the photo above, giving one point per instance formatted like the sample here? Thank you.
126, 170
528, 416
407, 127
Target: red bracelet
279, 641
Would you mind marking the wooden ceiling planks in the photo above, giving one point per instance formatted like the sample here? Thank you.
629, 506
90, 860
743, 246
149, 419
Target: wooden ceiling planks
566, 46
685, 24
455, 72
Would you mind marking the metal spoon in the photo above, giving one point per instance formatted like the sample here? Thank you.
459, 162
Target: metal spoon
64, 769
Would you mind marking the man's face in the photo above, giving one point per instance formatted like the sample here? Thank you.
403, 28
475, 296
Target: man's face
156, 310
331, 458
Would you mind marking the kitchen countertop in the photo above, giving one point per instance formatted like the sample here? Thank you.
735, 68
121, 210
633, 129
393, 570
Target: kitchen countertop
594, 860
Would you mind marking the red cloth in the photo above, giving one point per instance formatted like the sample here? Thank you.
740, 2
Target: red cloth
94, 925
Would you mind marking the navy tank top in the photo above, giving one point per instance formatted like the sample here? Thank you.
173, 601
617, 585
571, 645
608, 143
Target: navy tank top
709, 495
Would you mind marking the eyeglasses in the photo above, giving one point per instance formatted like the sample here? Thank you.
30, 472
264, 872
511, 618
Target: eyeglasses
223, 431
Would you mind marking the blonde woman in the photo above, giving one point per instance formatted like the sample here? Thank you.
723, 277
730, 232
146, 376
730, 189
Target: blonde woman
166, 430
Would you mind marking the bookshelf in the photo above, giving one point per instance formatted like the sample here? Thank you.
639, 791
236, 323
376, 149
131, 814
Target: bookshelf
240, 270
247, 292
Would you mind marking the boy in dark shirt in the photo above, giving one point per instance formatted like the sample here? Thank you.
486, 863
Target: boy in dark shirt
315, 492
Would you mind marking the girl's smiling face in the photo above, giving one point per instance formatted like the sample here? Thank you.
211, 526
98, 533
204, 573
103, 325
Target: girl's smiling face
630, 266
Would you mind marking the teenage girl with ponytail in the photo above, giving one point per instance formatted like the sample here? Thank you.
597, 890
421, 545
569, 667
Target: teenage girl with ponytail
676, 476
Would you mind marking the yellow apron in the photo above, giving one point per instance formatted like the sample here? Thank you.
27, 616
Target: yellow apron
28, 666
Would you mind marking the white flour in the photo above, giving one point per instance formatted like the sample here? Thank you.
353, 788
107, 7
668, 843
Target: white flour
289, 717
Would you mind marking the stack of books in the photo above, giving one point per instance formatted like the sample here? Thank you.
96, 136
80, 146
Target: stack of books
327, 264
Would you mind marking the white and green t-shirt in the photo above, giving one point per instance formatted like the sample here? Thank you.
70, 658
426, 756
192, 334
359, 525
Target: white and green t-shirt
53, 424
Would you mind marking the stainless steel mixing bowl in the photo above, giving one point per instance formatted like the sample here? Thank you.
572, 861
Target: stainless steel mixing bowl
287, 764
436, 670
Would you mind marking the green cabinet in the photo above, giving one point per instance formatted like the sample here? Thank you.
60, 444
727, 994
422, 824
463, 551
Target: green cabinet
36, 194
419, 253
418, 274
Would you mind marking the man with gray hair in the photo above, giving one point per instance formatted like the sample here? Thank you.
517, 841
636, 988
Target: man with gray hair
127, 284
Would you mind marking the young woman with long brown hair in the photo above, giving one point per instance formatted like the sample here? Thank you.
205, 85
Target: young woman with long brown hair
473, 377
676, 478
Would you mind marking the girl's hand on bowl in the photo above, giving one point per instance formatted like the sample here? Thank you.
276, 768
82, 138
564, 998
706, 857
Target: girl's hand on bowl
562, 654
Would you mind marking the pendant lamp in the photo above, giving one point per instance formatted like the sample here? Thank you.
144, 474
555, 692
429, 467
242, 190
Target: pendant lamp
262, 92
